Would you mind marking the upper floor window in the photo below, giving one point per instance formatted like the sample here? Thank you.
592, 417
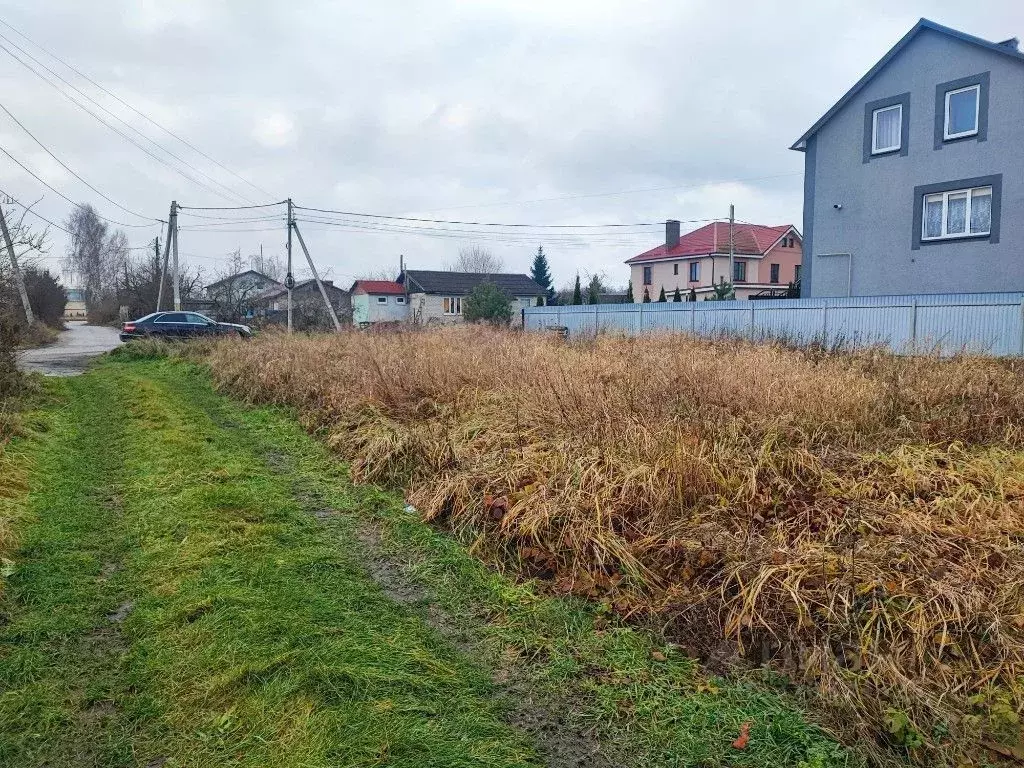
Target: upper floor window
694, 271
382, 299
962, 110
739, 271
774, 274
792, 243
887, 129
675, 269
957, 213
647, 275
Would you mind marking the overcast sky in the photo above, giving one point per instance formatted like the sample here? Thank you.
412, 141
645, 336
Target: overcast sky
512, 111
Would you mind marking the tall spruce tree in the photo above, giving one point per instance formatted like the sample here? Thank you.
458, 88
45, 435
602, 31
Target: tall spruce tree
647, 295
541, 275
677, 296
577, 294
629, 293
661, 296
594, 290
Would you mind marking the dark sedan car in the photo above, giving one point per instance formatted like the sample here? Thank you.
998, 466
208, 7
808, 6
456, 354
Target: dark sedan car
180, 325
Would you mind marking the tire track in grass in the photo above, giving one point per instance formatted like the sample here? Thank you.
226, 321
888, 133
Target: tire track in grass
271, 644
61, 657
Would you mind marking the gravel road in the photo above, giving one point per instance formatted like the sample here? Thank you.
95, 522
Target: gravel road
72, 352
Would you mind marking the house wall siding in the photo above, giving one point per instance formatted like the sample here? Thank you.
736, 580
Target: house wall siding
875, 225
366, 309
428, 309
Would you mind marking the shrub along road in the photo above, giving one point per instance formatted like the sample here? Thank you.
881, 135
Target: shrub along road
190, 582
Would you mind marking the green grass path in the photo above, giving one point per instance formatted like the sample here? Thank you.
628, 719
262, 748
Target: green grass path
198, 584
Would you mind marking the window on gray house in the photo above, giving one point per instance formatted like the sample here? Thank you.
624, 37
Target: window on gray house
886, 133
957, 213
382, 299
962, 107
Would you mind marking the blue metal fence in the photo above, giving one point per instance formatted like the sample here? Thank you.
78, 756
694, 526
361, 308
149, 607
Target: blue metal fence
987, 323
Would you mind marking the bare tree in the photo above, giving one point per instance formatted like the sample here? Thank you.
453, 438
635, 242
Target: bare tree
234, 293
476, 258
271, 266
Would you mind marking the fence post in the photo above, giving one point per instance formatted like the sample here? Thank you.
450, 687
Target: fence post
693, 318
597, 320
824, 323
913, 326
1022, 326
640, 322
751, 320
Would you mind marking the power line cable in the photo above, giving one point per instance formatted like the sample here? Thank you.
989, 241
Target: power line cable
486, 223
69, 170
60, 194
124, 136
135, 110
228, 207
618, 192
28, 209
123, 122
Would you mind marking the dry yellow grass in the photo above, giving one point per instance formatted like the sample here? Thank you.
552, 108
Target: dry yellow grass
855, 519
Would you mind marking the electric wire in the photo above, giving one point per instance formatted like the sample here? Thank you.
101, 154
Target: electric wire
60, 194
134, 109
124, 136
68, 169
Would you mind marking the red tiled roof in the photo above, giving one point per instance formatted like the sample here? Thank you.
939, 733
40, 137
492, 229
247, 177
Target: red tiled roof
378, 286
750, 240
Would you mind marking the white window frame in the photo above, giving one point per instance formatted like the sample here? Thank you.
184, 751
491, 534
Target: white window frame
452, 305
382, 299
977, 113
945, 213
875, 149
399, 299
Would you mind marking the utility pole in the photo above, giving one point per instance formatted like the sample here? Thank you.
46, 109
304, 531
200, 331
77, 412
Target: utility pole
17, 271
177, 274
316, 276
732, 248
163, 268
289, 279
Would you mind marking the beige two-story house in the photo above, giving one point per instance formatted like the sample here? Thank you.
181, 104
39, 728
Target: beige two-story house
766, 261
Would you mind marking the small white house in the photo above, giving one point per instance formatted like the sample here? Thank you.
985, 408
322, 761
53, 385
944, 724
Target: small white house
378, 301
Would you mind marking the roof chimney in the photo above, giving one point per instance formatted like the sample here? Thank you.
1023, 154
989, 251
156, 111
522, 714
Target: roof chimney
1013, 44
671, 234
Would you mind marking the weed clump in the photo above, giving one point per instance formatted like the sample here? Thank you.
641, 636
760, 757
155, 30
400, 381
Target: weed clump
853, 519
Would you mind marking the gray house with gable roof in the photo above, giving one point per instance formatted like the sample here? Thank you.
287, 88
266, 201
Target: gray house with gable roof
914, 180
435, 296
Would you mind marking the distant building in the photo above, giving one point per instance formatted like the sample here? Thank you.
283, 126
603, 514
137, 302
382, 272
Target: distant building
307, 304
74, 308
435, 297
235, 293
765, 258
378, 301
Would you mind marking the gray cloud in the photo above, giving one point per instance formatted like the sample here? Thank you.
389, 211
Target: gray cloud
455, 110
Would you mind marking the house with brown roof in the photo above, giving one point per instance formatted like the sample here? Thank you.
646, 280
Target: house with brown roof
766, 260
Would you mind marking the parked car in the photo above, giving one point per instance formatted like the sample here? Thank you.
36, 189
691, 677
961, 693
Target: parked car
180, 325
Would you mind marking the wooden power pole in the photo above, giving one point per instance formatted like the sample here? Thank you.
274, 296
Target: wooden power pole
289, 279
177, 274
18, 279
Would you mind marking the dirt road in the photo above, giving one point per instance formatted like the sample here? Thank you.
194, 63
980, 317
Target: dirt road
76, 346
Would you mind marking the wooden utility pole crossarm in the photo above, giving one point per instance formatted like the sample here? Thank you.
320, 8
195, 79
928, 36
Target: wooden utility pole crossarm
18, 279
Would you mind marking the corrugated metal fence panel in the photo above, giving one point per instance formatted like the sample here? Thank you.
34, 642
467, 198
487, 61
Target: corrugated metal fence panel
989, 323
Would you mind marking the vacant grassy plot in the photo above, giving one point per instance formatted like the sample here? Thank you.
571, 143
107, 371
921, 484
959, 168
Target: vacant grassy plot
854, 519
189, 582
